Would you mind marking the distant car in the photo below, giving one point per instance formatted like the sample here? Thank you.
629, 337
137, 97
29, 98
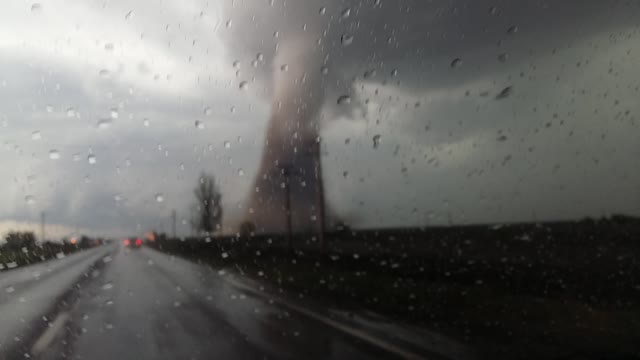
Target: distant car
132, 243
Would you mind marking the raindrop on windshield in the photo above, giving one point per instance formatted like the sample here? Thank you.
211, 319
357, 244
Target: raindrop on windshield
36, 135
284, 67
505, 93
456, 63
322, 11
208, 111
199, 124
376, 141
324, 70
244, 85
227, 144
224, 255
344, 100
240, 172
346, 13
30, 199
36, 7
159, 198
113, 113
104, 73
512, 29
71, 112
104, 123
91, 159
346, 40
145, 122
49, 108
128, 15
54, 154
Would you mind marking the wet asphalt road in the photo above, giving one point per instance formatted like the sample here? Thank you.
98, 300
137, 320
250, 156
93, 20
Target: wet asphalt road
142, 304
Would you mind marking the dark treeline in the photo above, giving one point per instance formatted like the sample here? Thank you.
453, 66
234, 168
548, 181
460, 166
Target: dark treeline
21, 248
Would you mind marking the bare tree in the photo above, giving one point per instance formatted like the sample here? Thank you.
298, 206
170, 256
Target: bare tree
207, 211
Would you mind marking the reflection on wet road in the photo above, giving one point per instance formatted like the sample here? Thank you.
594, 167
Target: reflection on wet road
146, 305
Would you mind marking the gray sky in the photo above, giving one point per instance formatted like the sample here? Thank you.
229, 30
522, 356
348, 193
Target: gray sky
81, 77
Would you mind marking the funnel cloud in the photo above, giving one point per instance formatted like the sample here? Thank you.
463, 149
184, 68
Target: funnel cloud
312, 55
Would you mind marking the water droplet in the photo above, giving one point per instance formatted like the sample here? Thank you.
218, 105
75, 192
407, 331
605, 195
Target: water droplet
49, 108
346, 40
229, 23
117, 197
503, 57
456, 63
224, 255
244, 85
128, 15
30, 199
107, 286
159, 197
108, 46
60, 255
376, 140
199, 124
346, 13
36, 7
284, 67
76, 157
227, 144
240, 172
322, 11
113, 113
91, 159
36, 135
104, 73
145, 122
260, 56
370, 73
394, 72
9, 289
344, 100
324, 70
71, 112
208, 111
104, 123
512, 29
54, 154
504, 93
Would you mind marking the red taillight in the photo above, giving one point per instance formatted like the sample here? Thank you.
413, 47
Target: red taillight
126, 242
138, 242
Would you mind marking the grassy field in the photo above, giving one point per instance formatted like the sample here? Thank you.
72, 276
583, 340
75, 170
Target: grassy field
561, 290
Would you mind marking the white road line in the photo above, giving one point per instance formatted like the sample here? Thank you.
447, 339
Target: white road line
50, 334
382, 344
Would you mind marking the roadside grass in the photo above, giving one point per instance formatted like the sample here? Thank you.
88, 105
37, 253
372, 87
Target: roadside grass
505, 309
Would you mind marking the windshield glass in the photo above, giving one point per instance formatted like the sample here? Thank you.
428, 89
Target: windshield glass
328, 179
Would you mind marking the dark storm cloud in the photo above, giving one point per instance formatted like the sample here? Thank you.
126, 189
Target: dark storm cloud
420, 39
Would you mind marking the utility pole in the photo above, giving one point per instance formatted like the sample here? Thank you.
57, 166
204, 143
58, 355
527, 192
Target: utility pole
320, 196
42, 219
287, 204
173, 222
